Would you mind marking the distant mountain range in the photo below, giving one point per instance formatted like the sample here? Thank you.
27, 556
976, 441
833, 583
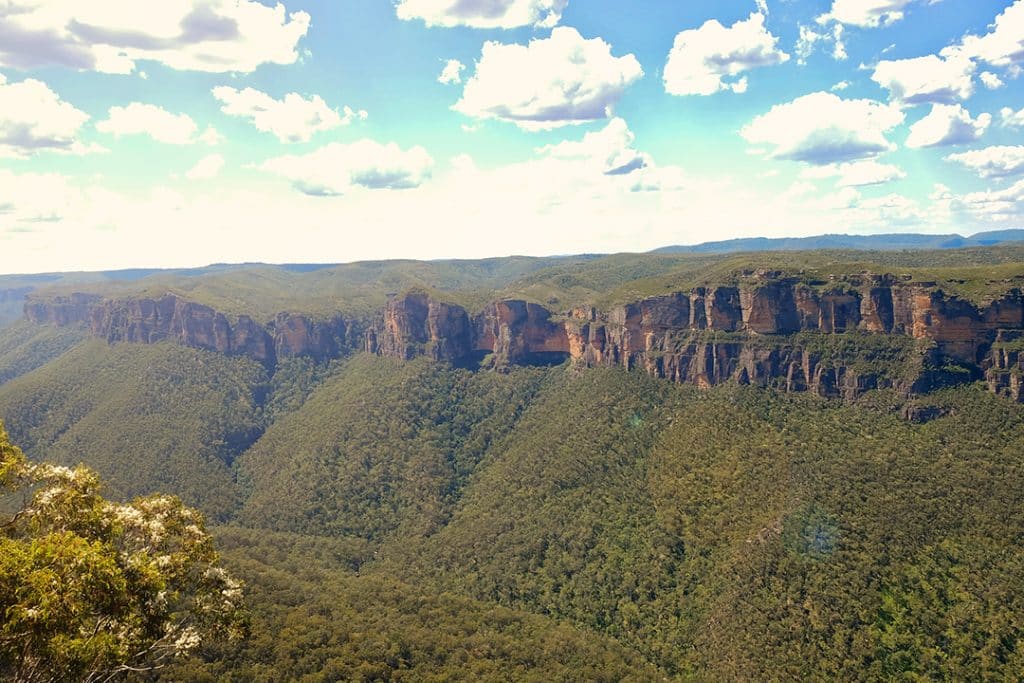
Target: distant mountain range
891, 242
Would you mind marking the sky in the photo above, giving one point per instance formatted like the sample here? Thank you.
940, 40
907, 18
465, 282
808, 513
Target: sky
189, 132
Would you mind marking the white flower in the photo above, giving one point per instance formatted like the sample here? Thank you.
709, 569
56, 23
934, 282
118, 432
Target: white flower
188, 640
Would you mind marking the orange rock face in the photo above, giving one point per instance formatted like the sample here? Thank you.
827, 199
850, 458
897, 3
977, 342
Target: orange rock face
705, 336
148, 321
416, 325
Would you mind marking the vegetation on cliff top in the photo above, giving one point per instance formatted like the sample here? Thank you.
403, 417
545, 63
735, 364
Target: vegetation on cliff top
360, 290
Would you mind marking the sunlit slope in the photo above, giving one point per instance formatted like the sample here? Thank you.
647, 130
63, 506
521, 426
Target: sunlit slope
148, 418
745, 535
315, 619
380, 447
25, 347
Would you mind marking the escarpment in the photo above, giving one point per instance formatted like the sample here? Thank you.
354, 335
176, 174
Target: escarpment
171, 318
1004, 366
836, 338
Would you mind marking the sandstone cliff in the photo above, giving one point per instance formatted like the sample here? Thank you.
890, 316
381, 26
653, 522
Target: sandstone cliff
839, 338
169, 317
1004, 366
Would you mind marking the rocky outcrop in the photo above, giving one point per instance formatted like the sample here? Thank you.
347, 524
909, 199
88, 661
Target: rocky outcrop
417, 325
1004, 366
171, 318
62, 310
299, 335
516, 331
14, 294
833, 339
836, 338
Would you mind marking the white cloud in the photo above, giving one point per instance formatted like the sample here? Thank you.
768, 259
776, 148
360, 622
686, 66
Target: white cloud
552, 82
561, 200
338, 168
148, 119
33, 118
1004, 45
609, 151
821, 128
112, 37
991, 80
701, 59
211, 137
28, 200
856, 174
865, 13
997, 206
838, 47
452, 72
809, 39
894, 209
292, 119
992, 162
1011, 118
206, 168
930, 78
483, 13
947, 124
840, 86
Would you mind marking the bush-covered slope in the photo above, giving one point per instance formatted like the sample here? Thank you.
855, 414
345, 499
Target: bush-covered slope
25, 347
415, 521
745, 535
380, 445
148, 418
314, 619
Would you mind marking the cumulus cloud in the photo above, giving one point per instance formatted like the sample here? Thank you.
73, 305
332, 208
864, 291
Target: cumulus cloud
1011, 118
137, 118
34, 118
30, 199
211, 137
990, 80
452, 72
994, 205
206, 168
599, 174
856, 174
947, 124
822, 128
194, 35
292, 119
339, 168
483, 13
552, 82
932, 78
865, 13
840, 86
992, 162
809, 39
1004, 45
702, 59
609, 151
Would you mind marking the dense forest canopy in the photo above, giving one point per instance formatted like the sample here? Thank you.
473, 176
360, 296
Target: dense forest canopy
415, 520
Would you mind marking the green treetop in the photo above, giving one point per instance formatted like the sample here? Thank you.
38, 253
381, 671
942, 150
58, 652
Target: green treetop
90, 589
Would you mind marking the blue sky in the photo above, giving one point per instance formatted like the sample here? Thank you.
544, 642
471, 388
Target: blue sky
198, 131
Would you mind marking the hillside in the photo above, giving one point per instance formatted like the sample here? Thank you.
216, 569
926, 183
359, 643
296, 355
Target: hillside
511, 489
892, 242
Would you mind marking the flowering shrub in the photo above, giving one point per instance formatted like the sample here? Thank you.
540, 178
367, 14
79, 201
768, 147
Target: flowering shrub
91, 589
